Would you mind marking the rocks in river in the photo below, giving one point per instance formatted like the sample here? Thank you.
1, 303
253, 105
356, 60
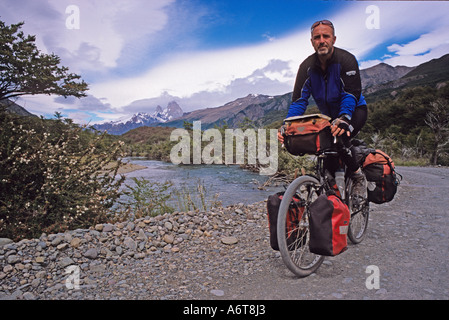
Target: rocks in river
163, 257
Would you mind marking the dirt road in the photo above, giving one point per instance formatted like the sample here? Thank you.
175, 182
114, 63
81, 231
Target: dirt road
406, 247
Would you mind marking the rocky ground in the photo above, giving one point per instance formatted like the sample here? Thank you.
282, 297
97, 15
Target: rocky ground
225, 254
174, 256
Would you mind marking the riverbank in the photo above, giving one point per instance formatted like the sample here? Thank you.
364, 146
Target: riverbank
126, 167
130, 167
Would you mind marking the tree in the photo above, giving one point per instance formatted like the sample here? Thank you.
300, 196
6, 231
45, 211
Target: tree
24, 70
438, 121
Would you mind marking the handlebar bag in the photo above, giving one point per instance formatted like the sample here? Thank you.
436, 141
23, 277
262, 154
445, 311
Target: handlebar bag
295, 235
328, 225
308, 135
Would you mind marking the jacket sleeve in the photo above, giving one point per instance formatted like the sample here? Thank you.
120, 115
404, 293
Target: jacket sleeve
351, 83
301, 92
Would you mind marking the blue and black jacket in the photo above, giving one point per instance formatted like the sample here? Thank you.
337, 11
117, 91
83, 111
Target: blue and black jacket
336, 91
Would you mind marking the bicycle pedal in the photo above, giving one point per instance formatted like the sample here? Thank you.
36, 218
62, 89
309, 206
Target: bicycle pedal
359, 201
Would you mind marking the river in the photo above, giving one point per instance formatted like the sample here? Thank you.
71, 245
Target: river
227, 184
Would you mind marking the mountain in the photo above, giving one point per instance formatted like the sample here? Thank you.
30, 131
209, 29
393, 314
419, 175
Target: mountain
431, 73
13, 107
173, 111
382, 73
253, 107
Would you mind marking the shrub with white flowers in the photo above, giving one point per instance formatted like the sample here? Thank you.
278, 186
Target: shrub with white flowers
53, 178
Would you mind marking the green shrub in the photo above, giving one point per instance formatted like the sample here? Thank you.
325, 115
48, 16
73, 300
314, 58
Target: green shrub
147, 198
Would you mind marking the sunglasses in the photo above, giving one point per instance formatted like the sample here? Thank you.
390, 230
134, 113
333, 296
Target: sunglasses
325, 22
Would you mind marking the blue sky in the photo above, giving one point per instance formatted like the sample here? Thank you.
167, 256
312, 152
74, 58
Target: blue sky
137, 54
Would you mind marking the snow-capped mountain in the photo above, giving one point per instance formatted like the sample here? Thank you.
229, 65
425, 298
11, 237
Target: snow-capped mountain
172, 112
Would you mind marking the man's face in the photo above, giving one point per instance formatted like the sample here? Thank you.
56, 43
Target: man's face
323, 40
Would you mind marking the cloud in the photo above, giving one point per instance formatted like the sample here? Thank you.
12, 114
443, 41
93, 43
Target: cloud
89, 103
138, 53
425, 43
398, 21
106, 28
270, 80
185, 74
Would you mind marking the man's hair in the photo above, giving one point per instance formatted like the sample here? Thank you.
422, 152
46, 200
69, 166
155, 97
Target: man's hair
323, 22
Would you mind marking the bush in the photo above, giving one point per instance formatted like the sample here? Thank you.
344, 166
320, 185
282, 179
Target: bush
51, 180
148, 198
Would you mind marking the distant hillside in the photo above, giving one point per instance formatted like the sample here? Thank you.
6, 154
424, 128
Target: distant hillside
151, 142
382, 73
146, 135
430, 73
13, 107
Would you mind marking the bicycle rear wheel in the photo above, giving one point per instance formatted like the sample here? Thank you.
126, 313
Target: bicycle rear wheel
295, 252
359, 209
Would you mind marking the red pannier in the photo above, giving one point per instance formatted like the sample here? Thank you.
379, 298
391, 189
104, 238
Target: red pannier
307, 134
381, 177
328, 225
294, 215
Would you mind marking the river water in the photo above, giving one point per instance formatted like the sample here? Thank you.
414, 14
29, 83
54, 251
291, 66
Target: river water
227, 184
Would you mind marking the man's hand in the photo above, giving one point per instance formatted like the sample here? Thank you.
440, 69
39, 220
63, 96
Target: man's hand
340, 126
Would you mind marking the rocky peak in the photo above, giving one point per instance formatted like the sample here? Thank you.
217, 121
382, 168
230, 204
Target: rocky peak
159, 109
174, 110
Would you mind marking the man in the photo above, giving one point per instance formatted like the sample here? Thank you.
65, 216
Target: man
331, 75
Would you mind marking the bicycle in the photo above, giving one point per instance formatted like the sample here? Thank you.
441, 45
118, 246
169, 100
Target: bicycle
296, 254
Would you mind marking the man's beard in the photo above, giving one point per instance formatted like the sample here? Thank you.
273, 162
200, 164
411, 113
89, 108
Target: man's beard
322, 52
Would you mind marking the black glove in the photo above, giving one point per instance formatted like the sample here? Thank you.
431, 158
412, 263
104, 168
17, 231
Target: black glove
343, 123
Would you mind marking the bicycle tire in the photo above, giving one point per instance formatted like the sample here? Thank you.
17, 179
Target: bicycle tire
297, 256
358, 224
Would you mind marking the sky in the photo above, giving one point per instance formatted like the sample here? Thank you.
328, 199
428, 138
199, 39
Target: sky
137, 54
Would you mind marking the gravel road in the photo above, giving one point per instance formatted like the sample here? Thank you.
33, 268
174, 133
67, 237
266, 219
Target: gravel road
225, 254
407, 240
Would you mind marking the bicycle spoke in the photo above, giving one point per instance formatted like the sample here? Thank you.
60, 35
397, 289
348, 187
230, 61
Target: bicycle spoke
294, 246
359, 208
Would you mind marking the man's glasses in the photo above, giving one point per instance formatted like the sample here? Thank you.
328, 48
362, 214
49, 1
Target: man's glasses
325, 22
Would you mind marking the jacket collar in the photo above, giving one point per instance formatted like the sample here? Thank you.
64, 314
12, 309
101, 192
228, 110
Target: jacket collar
328, 62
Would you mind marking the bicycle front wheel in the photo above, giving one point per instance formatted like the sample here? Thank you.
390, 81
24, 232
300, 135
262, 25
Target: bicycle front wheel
359, 209
293, 234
